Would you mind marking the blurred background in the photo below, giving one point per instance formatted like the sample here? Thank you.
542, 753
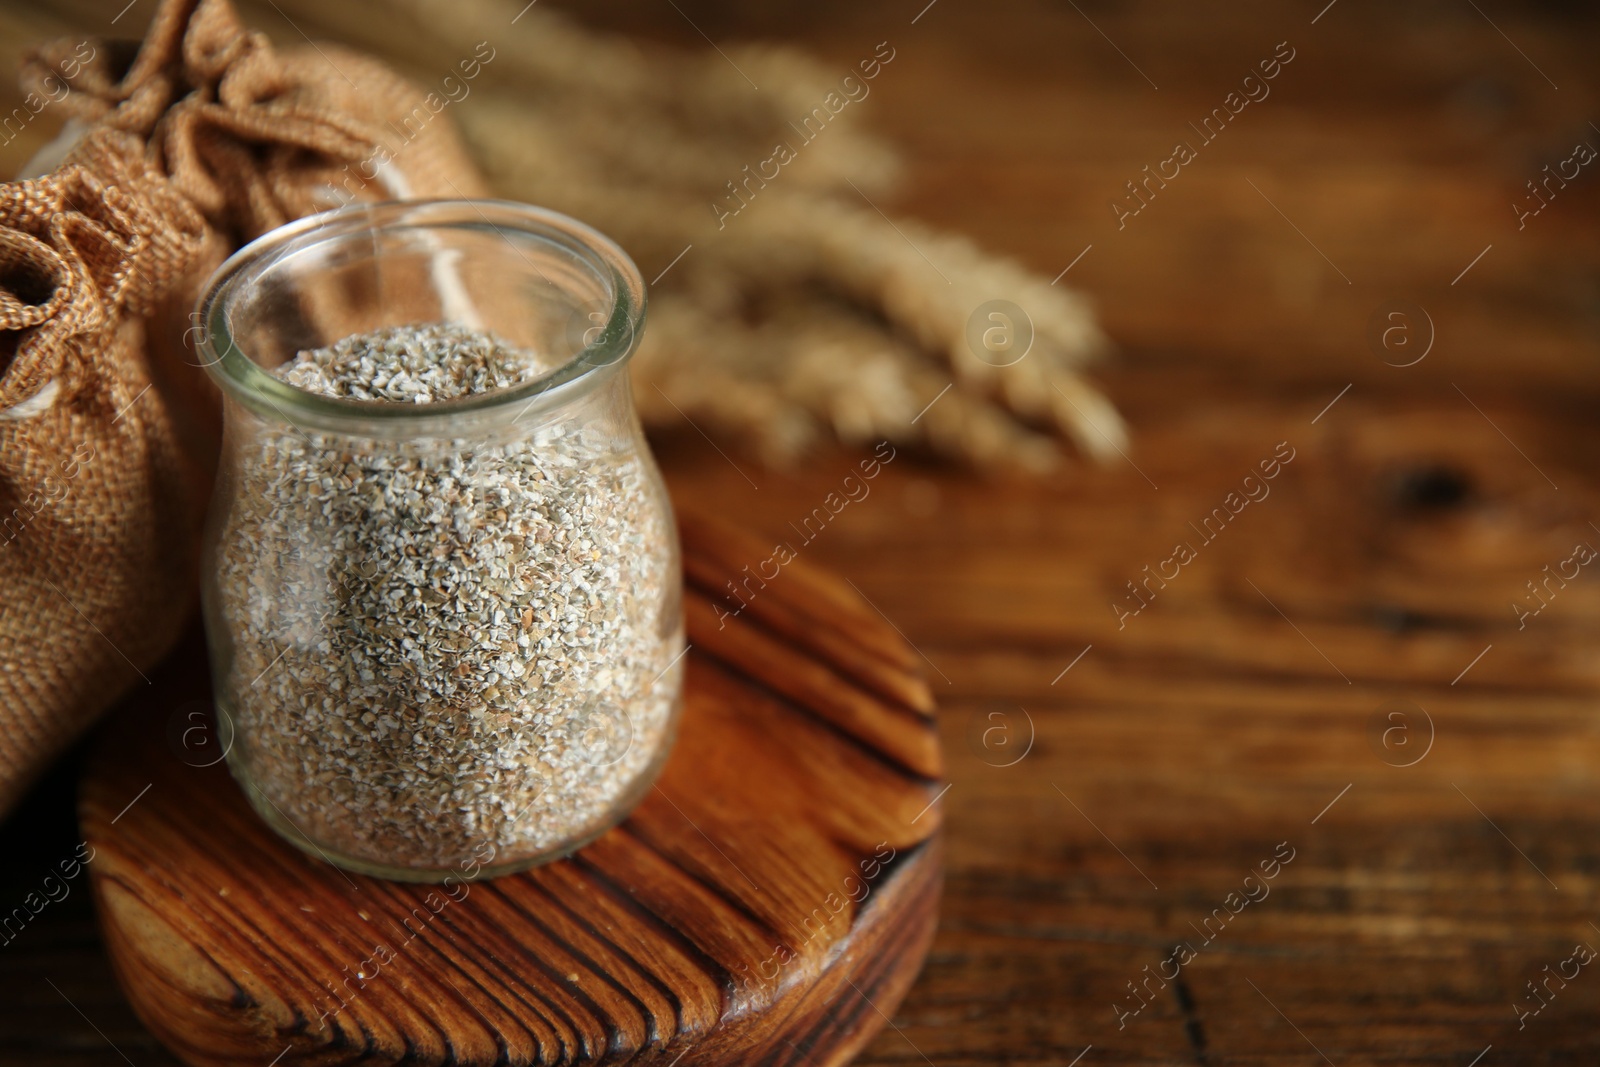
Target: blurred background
1400, 166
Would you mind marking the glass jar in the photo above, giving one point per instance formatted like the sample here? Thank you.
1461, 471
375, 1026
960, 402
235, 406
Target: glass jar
446, 627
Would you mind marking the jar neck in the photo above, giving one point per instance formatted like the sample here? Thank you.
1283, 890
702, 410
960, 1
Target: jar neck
535, 280
599, 397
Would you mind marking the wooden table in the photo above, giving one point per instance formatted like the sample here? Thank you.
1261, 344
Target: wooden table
1115, 785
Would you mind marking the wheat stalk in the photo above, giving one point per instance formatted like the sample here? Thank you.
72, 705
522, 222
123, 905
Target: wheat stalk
805, 313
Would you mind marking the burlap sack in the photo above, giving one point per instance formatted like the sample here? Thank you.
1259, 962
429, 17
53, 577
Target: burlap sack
199, 141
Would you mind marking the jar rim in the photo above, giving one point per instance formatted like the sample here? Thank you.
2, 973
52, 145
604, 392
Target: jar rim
243, 379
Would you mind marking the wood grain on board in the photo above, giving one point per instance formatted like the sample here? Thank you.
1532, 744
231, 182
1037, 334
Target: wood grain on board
769, 902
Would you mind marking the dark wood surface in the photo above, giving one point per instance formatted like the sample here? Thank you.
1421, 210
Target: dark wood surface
769, 901
1180, 751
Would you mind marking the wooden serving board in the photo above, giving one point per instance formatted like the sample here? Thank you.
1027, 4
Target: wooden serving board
769, 902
